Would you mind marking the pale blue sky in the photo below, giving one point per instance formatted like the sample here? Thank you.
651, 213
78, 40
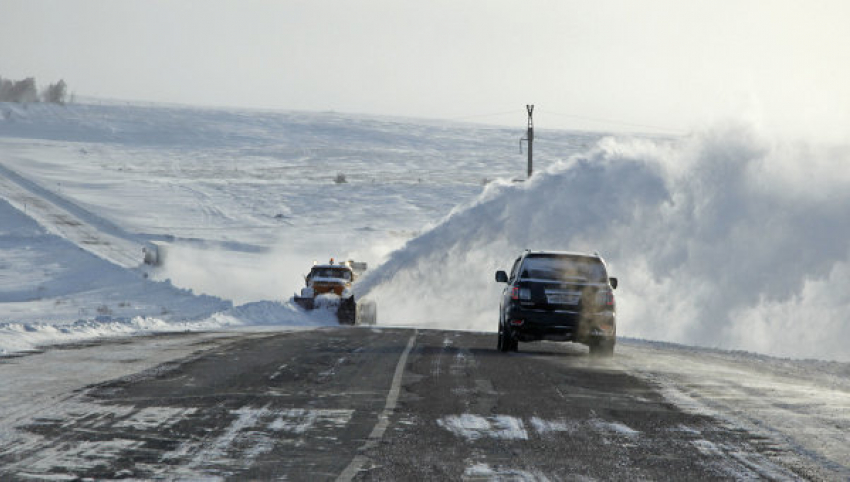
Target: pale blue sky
668, 63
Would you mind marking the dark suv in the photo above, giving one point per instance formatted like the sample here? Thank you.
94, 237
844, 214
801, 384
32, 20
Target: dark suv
559, 296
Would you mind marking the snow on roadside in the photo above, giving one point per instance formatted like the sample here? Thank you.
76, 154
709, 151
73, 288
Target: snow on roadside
272, 313
52, 292
24, 337
801, 405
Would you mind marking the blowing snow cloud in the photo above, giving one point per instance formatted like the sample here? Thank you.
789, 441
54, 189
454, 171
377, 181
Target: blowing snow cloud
723, 238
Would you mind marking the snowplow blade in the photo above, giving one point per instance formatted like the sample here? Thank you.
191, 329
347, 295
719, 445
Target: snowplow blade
366, 313
348, 312
306, 303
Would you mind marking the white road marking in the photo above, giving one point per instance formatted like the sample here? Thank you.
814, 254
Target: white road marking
383, 418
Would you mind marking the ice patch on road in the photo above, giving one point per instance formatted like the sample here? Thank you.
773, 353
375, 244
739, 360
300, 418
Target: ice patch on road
220, 449
155, 418
473, 427
506, 427
615, 427
254, 432
544, 427
251, 433
300, 420
708, 448
83, 455
482, 471
749, 465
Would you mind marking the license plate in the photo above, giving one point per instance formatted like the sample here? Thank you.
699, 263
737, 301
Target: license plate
563, 297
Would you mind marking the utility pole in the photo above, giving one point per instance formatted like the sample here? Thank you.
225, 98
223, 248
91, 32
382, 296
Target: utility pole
530, 109
529, 137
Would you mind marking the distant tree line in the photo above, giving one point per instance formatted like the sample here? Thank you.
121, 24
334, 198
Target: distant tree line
24, 91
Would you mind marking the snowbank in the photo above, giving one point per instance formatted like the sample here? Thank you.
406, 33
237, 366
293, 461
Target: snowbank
53, 292
274, 313
22, 337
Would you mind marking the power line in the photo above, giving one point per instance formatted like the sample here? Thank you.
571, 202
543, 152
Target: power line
612, 121
600, 120
494, 114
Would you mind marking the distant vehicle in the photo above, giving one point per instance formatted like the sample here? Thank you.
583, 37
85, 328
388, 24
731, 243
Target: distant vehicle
558, 296
329, 285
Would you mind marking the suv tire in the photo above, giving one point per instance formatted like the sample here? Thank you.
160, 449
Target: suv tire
503, 342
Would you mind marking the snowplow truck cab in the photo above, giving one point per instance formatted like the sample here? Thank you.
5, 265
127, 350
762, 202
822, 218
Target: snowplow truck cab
328, 286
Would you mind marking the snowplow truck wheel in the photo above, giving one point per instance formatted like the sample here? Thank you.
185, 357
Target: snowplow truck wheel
346, 314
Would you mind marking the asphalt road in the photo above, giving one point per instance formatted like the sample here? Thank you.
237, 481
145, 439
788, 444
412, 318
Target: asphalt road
383, 404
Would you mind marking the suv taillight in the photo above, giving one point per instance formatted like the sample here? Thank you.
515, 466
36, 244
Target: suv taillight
518, 293
605, 298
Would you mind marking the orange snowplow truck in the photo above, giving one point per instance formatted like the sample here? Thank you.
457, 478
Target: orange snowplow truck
328, 286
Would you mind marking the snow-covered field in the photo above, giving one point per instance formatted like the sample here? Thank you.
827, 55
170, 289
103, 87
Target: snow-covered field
723, 238
245, 201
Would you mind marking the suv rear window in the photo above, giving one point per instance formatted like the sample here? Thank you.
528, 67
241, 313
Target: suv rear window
569, 268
